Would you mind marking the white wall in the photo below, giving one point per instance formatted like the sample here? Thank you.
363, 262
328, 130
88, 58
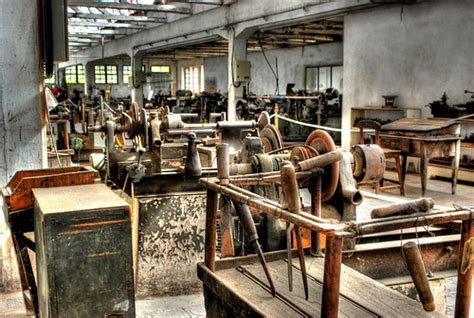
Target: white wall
417, 53
291, 67
21, 134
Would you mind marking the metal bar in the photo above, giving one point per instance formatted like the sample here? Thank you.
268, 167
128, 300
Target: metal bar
129, 6
316, 211
211, 230
332, 277
130, 18
211, 2
464, 287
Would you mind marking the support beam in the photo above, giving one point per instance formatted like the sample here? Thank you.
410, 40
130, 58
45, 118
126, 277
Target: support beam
237, 52
129, 6
128, 18
82, 23
137, 90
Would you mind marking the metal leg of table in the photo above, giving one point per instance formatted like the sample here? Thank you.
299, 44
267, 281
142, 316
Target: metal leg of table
424, 160
455, 166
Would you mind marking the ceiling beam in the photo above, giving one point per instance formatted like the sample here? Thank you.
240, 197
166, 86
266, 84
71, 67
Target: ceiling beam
212, 2
128, 18
75, 32
105, 24
129, 6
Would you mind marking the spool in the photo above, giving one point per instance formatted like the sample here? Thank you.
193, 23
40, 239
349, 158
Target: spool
369, 163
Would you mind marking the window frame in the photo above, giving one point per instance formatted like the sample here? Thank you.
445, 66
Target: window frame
76, 77
105, 74
318, 77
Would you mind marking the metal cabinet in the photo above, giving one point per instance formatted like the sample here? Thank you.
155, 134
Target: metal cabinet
83, 252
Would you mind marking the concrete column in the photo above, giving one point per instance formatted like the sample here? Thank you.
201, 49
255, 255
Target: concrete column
88, 78
137, 90
21, 134
237, 51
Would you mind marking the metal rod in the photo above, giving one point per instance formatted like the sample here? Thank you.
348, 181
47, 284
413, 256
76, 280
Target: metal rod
332, 277
211, 231
464, 287
289, 256
316, 211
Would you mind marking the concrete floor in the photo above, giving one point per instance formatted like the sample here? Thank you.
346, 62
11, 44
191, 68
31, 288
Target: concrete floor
11, 305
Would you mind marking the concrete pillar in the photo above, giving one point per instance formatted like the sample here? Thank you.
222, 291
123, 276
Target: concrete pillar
88, 78
21, 134
237, 51
137, 90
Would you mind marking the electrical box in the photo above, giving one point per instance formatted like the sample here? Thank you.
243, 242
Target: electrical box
242, 71
59, 30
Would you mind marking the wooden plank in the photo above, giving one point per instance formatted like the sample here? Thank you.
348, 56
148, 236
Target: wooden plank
417, 125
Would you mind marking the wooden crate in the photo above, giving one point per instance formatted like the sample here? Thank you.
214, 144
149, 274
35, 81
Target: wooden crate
83, 252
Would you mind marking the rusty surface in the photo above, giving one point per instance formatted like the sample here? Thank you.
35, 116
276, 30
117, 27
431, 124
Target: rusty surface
171, 242
464, 287
332, 277
24, 181
416, 267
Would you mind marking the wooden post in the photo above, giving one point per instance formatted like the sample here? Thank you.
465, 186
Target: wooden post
316, 211
464, 288
211, 230
332, 277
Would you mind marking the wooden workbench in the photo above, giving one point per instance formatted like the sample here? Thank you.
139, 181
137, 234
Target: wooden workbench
232, 291
424, 139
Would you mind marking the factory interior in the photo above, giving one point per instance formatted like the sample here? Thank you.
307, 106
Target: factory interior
237, 158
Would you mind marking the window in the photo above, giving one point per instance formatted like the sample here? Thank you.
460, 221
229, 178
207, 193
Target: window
106, 74
191, 78
160, 69
126, 73
321, 78
75, 74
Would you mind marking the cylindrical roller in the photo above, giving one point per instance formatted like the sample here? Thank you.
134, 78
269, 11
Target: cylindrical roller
369, 163
419, 205
184, 132
416, 268
289, 186
173, 121
249, 124
241, 168
320, 161
223, 163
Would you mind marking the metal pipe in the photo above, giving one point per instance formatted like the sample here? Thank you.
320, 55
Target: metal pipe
320, 161
223, 163
350, 192
419, 205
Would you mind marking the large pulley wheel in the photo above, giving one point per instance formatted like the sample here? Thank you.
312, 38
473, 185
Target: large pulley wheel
322, 142
263, 120
143, 127
271, 138
302, 153
134, 114
369, 163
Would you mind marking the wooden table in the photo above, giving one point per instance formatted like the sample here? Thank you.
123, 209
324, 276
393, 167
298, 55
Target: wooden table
424, 139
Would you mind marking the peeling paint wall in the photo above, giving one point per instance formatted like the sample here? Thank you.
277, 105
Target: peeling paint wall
171, 242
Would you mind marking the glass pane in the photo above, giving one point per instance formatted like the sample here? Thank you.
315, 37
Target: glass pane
126, 73
337, 77
112, 76
311, 79
324, 78
71, 75
160, 69
80, 74
99, 71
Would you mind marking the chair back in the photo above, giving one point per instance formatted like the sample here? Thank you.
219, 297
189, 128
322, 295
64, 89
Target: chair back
368, 124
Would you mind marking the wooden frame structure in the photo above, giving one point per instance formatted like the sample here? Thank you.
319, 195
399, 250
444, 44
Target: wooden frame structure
335, 232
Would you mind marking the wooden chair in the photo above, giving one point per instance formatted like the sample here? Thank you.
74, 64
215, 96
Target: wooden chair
389, 153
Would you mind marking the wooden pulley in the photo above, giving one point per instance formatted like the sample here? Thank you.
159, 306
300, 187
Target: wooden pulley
302, 153
263, 120
369, 163
271, 138
322, 142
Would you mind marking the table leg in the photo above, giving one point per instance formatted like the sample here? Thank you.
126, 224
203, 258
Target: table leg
424, 160
455, 166
404, 169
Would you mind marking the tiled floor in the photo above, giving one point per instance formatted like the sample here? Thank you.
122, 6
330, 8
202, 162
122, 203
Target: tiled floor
11, 305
